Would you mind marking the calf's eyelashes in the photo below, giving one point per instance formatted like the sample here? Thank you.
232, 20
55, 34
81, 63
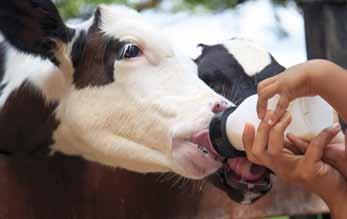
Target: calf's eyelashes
129, 50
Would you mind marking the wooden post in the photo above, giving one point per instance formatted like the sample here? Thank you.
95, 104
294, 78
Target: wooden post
326, 29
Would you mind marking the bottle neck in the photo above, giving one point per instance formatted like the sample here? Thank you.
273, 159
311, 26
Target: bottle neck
219, 137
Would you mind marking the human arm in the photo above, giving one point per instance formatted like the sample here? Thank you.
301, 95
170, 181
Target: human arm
316, 77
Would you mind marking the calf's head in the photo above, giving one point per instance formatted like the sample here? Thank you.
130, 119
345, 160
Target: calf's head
233, 69
123, 96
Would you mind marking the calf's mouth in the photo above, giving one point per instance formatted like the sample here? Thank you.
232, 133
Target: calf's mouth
242, 180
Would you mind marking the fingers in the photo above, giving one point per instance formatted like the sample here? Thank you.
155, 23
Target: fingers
314, 152
267, 82
276, 138
266, 89
266, 93
293, 149
281, 108
298, 143
261, 140
333, 153
255, 144
248, 137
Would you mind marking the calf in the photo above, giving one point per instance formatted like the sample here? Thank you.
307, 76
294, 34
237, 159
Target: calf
234, 68
111, 90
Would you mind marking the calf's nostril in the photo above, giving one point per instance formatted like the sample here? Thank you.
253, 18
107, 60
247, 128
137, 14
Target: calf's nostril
219, 107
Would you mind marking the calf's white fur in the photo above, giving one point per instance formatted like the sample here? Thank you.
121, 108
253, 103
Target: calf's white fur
144, 120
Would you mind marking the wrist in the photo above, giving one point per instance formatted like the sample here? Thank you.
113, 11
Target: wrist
338, 211
315, 72
318, 72
337, 205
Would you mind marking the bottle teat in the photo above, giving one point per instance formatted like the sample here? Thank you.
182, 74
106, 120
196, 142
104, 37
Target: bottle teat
219, 137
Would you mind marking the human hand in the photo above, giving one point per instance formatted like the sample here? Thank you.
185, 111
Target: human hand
293, 83
334, 154
269, 148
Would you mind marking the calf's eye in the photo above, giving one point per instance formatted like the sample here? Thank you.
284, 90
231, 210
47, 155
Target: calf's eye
128, 51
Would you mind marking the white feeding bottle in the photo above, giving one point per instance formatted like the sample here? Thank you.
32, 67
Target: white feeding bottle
310, 115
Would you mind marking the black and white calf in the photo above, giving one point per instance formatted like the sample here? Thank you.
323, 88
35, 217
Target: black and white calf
233, 69
111, 90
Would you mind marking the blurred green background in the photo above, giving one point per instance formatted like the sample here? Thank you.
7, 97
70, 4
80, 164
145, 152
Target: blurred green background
73, 8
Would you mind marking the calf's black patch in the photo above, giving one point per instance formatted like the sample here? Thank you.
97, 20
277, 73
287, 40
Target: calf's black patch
3, 49
93, 56
27, 123
2, 60
224, 74
270, 70
33, 26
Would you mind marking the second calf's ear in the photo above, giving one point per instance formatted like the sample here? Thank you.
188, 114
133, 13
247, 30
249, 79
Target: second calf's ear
34, 26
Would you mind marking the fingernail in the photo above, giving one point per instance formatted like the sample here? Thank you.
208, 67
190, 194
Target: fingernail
270, 118
267, 117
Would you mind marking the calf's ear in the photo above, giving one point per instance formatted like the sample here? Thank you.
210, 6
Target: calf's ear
34, 27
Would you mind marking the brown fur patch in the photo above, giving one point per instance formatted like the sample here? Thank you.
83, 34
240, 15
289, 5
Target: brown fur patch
93, 57
27, 123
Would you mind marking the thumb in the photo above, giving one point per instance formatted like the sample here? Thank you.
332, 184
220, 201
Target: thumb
314, 152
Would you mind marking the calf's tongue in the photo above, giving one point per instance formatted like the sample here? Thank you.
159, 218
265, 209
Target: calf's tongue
202, 138
245, 169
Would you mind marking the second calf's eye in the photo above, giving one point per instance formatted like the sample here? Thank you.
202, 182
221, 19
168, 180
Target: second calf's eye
129, 50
